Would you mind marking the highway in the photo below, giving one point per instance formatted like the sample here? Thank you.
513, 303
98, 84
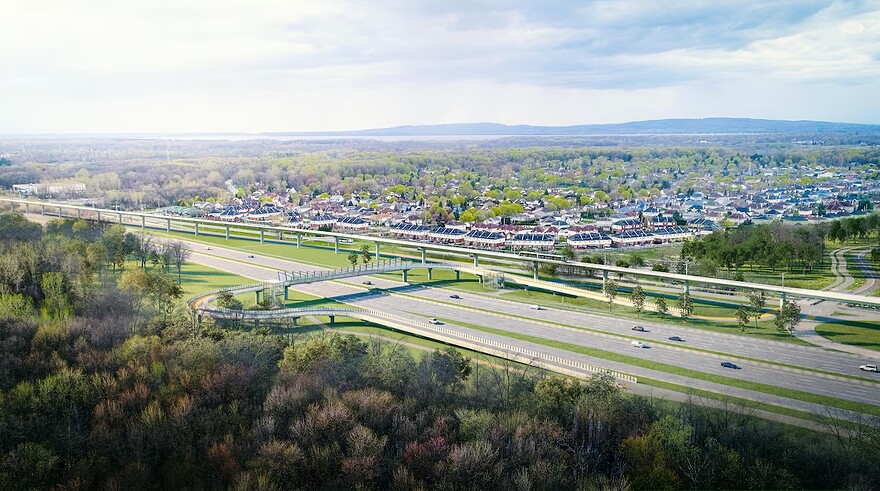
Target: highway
419, 303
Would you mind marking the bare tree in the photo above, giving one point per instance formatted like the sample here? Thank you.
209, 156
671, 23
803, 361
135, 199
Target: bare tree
178, 252
146, 246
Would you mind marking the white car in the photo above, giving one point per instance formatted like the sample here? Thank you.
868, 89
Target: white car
535, 307
868, 368
433, 320
638, 344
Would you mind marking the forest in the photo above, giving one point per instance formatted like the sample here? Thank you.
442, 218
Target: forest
101, 386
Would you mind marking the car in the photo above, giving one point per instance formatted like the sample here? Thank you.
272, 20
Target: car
433, 320
535, 307
727, 364
454, 296
250, 256
639, 328
368, 282
638, 344
676, 338
207, 248
868, 368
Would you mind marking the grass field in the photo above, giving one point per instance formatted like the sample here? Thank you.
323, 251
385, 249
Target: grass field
856, 333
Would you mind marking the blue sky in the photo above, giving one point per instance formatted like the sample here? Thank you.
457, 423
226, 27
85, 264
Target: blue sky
276, 65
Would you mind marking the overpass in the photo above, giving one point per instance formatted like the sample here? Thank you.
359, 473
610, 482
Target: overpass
199, 226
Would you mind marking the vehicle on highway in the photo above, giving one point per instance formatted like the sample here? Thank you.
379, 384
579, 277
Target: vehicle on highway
676, 338
368, 282
638, 344
727, 364
346, 241
639, 328
868, 368
433, 320
251, 256
454, 296
535, 307
207, 248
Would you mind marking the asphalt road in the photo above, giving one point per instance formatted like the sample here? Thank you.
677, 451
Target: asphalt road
425, 306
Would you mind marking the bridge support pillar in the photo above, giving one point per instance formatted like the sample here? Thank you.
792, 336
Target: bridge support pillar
120, 217
405, 276
782, 300
27, 208
262, 236
167, 222
257, 295
378, 252
197, 229
686, 287
424, 256
99, 217
336, 245
535, 270
476, 261
77, 215
286, 293
604, 278
333, 319
457, 275
299, 239
42, 209
143, 220
227, 232
430, 273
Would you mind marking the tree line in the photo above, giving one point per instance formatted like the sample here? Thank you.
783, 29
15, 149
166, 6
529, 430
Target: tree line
121, 392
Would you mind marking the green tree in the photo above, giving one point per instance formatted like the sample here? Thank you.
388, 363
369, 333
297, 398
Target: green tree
366, 256
757, 302
662, 307
788, 318
742, 317
610, 289
56, 304
637, 297
353, 258
686, 305
155, 287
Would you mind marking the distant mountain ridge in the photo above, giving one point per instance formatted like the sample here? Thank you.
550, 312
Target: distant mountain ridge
652, 127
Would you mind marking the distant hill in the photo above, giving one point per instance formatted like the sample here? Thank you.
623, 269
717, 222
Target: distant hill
654, 127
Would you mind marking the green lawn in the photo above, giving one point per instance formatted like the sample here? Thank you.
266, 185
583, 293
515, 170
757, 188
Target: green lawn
856, 333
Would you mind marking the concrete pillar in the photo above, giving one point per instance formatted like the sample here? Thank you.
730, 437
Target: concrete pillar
143, 221
27, 208
262, 236
77, 214
404, 276
424, 255
299, 239
120, 217
286, 292
781, 299
378, 253
476, 261
535, 272
336, 245
430, 273
99, 217
457, 275
227, 232
42, 209
332, 319
167, 223
257, 295
604, 278
687, 287
197, 228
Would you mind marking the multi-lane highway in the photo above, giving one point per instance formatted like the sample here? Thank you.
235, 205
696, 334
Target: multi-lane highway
604, 333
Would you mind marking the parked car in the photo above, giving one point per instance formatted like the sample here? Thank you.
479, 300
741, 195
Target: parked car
433, 320
535, 307
368, 282
676, 338
727, 364
454, 296
868, 368
638, 344
639, 328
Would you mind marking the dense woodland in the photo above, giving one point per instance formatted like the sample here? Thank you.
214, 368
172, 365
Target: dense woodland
777, 245
158, 173
102, 388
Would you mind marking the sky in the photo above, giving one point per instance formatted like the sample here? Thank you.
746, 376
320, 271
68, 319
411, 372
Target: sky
111, 66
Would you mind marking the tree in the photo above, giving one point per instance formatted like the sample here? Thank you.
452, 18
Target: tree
56, 304
637, 296
144, 249
788, 318
611, 289
686, 305
154, 286
757, 302
366, 257
568, 252
742, 317
177, 252
662, 308
353, 258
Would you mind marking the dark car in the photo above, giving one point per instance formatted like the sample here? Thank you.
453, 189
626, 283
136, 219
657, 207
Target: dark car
368, 282
676, 338
251, 256
639, 328
727, 364
454, 296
